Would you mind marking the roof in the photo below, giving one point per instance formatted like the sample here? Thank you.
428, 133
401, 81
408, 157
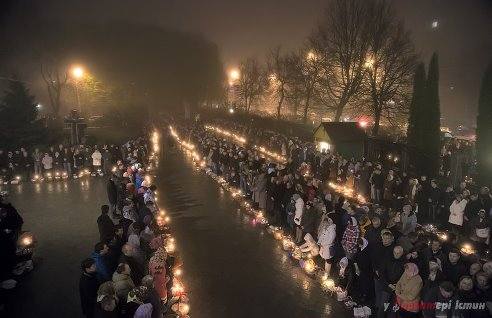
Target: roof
343, 131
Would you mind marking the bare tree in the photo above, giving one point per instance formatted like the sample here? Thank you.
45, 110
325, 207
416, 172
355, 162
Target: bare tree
252, 82
389, 65
341, 45
304, 72
55, 81
278, 69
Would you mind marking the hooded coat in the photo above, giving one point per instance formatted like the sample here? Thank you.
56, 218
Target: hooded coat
122, 284
299, 204
408, 289
456, 212
326, 239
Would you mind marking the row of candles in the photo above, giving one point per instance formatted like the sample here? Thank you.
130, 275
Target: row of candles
305, 260
179, 299
241, 140
347, 192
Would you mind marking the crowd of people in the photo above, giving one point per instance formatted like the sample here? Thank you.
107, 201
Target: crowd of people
396, 246
61, 161
133, 271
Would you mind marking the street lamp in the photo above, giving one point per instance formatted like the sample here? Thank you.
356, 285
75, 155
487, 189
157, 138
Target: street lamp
77, 73
234, 76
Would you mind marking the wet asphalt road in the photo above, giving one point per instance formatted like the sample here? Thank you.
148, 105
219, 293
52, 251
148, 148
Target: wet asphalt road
231, 268
62, 215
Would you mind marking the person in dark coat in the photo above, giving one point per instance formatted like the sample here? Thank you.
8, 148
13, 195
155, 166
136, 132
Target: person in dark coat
88, 285
112, 194
442, 294
106, 308
105, 225
136, 267
364, 271
308, 221
373, 233
379, 254
391, 272
454, 268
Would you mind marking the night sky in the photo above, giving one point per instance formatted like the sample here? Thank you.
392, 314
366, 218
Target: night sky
463, 37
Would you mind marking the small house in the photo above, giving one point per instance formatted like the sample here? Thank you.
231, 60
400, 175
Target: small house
345, 138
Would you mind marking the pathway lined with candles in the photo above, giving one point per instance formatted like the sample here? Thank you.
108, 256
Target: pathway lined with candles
286, 254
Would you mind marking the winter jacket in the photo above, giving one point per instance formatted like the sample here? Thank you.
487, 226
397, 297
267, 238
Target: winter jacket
112, 192
454, 272
122, 284
143, 311
47, 162
326, 240
96, 158
308, 221
456, 212
408, 223
106, 227
391, 272
88, 285
408, 292
299, 210
102, 271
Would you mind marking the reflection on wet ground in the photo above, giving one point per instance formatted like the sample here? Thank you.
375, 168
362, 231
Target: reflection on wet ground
233, 268
62, 215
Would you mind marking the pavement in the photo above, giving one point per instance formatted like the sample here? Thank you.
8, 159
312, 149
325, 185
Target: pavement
231, 268
62, 215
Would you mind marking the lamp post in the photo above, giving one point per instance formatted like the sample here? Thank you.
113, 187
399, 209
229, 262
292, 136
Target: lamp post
234, 75
77, 73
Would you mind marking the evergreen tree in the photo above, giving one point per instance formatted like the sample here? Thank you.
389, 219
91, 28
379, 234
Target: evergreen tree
415, 120
17, 116
431, 130
484, 129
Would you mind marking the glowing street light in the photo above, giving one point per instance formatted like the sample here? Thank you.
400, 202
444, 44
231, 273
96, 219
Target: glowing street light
78, 72
234, 76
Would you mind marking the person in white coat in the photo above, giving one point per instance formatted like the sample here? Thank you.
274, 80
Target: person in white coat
96, 159
456, 213
299, 204
326, 240
47, 162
